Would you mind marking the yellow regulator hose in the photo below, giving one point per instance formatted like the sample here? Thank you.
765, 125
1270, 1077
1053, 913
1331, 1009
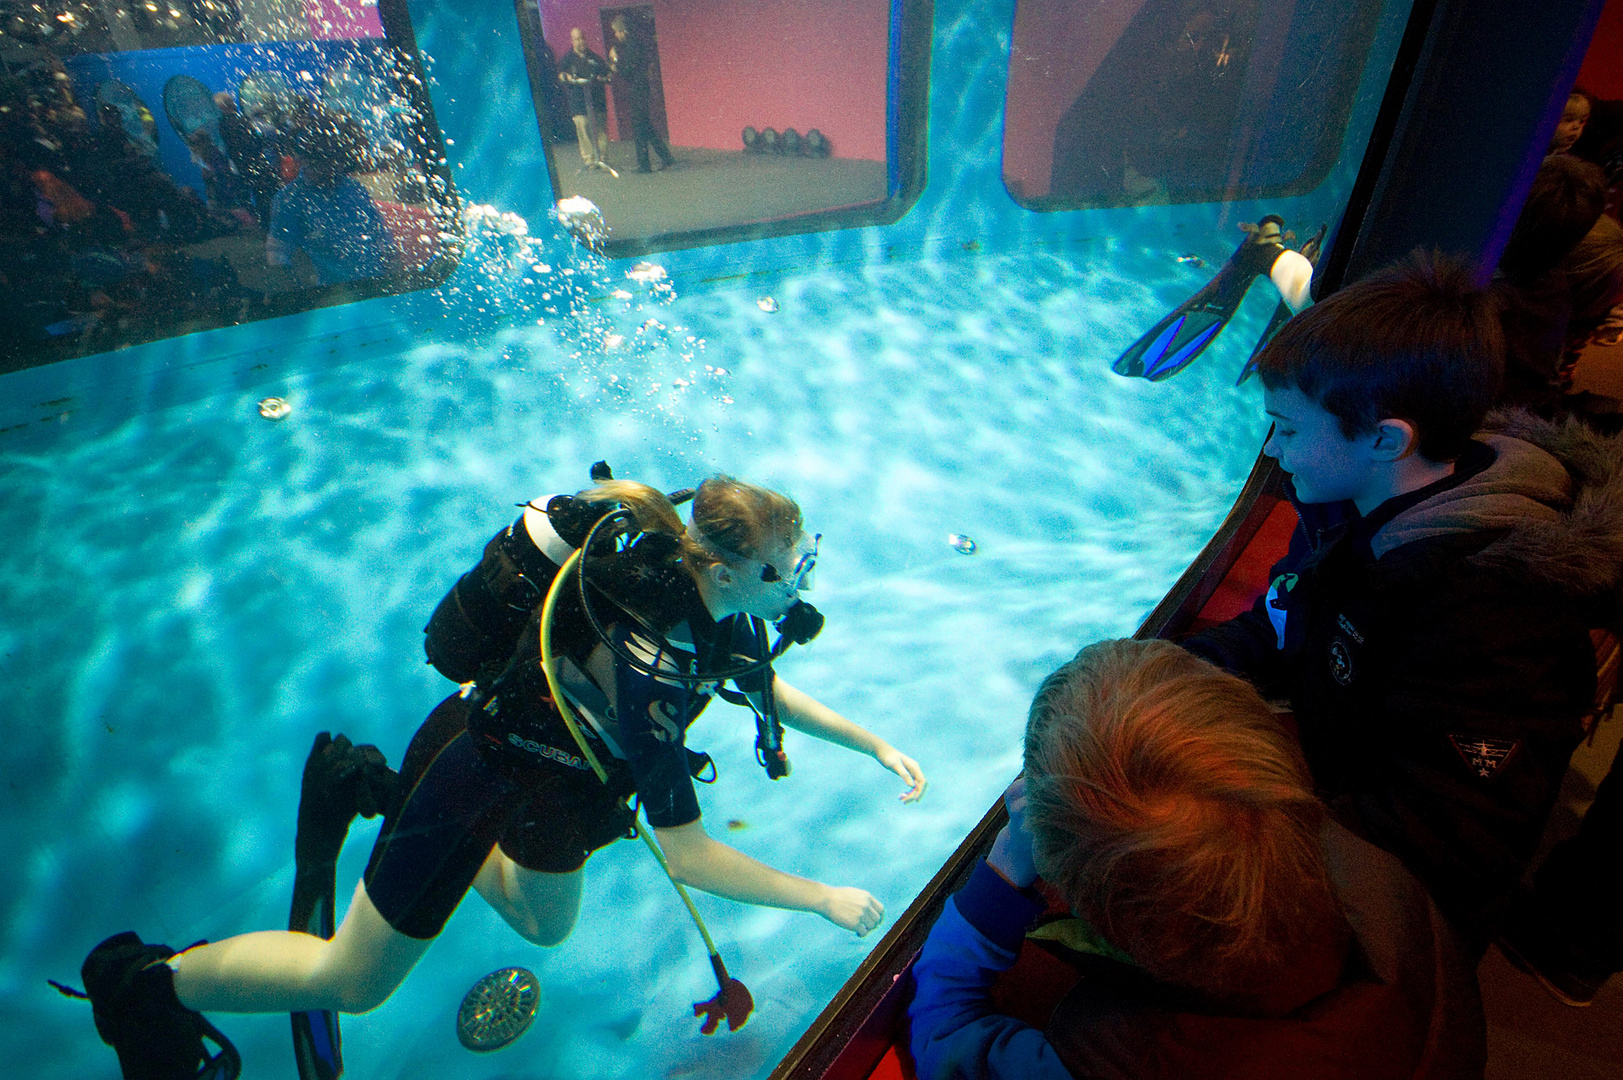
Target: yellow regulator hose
733, 1002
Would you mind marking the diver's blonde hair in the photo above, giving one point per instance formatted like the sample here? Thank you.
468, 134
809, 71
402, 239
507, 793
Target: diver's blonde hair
734, 521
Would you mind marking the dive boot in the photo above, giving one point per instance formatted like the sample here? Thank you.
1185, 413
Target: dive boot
132, 995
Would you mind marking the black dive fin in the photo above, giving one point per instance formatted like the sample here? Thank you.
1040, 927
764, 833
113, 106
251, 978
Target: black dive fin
1282, 313
340, 780
132, 995
1174, 342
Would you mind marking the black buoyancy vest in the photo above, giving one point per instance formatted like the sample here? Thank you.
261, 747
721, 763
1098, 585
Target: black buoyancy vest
473, 631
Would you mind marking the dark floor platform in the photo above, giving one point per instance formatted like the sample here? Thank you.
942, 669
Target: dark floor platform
1531, 1036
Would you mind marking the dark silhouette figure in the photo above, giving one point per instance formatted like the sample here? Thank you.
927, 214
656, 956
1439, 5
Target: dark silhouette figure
629, 58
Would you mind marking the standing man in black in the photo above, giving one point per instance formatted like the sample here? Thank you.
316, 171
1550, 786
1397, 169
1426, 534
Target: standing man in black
583, 74
629, 60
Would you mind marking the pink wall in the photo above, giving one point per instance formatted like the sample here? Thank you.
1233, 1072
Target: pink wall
345, 20
1602, 73
770, 63
1058, 45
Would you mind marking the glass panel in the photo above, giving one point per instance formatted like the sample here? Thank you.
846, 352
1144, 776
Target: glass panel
176, 167
214, 547
1140, 102
684, 123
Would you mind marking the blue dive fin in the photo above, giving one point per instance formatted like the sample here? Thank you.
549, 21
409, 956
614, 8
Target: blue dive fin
322, 829
1282, 313
1174, 342
316, 1047
340, 781
1177, 344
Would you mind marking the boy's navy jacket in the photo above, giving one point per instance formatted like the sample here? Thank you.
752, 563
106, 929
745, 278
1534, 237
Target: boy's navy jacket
1437, 654
1405, 1007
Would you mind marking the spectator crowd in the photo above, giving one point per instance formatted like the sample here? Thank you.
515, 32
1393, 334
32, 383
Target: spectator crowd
101, 246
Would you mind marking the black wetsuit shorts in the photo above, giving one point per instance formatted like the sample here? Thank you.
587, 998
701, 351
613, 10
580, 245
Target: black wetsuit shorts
458, 803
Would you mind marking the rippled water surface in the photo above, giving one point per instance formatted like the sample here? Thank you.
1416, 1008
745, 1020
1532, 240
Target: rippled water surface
188, 591
191, 593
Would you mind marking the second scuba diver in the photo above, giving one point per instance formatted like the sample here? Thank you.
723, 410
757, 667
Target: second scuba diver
494, 794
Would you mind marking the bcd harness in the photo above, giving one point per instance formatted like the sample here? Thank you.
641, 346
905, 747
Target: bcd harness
474, 633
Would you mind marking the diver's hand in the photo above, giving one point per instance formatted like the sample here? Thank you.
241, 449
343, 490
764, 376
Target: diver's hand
905, 767
851, 909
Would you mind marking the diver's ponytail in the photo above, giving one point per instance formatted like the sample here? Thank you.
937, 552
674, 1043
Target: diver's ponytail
653, 511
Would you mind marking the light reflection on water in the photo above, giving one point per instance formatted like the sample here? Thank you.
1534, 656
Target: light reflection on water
191, 594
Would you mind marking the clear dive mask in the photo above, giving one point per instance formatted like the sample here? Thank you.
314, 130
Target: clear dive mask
799, 578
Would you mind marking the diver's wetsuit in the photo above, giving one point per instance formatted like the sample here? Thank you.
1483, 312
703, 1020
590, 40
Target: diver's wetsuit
500, 766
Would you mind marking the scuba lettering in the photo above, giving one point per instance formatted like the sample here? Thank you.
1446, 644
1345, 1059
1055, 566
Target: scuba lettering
666, 719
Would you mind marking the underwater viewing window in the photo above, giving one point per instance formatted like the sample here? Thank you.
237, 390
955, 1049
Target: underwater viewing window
705, 122
1151, 102
175, 167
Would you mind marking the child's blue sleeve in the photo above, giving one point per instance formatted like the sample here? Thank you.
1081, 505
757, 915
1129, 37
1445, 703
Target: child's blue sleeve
955, 1032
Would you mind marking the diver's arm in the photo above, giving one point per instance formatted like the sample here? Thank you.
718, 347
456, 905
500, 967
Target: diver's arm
697, 860
805, 713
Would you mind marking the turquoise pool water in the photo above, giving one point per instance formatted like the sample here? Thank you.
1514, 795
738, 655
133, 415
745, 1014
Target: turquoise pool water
206, 588
188, 592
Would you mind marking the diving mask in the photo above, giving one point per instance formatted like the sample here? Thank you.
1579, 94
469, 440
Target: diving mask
799, 577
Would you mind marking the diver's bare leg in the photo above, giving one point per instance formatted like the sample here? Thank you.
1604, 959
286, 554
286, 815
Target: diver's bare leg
540, 906
285, 971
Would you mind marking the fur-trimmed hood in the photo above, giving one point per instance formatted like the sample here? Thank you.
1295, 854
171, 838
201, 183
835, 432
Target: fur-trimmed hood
1556, 493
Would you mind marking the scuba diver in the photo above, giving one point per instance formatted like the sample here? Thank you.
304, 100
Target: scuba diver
514, 780
1173, 343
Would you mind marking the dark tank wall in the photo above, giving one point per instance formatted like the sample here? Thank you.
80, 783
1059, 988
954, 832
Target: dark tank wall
1474, 99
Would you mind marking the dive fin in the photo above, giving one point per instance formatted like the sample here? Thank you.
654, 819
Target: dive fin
1282, 313
1174, 342
132, 995
340, 780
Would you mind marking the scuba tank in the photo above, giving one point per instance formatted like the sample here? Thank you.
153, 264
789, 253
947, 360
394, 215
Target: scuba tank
478, 622
476, 625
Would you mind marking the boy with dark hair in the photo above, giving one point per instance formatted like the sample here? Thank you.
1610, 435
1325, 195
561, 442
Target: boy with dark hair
1430, 623
1232, 930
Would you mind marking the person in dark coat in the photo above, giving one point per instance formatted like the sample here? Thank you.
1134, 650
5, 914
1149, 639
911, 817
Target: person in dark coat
1429, 625
629, 60
255, 157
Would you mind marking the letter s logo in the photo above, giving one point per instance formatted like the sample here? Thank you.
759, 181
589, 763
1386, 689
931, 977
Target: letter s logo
663, 714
